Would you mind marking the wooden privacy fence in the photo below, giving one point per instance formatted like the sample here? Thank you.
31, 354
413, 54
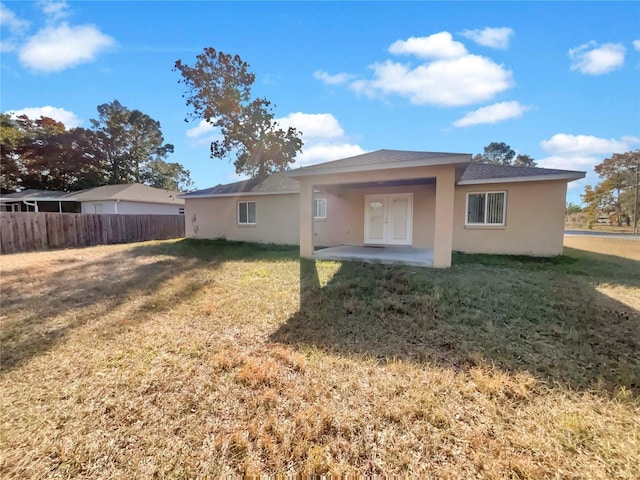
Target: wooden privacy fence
26, 231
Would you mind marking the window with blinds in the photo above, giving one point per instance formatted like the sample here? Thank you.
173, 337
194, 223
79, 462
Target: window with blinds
487, 208
246, 213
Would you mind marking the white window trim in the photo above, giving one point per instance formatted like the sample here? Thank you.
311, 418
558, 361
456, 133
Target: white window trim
485, 224
238, 212
315, 209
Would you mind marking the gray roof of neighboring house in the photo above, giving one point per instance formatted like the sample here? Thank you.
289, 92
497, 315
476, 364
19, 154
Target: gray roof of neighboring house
33, 194
134, 192
475, 173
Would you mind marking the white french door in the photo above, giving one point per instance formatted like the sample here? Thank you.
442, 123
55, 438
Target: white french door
388, 219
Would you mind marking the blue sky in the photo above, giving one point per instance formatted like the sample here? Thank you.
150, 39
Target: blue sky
558, 81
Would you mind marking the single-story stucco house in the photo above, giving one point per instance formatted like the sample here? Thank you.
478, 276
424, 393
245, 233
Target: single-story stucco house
130, 199
439, 202
134, 198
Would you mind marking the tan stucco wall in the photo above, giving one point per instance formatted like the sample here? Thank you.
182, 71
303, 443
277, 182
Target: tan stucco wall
345, 215
276, 219
445, 176
534, 220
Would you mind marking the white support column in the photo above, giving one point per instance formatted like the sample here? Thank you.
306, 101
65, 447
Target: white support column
306, 218
443, 236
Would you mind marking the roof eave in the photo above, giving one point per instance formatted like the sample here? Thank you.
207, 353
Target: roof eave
40, 199
452, 160
238, 194
528, 178
111, 199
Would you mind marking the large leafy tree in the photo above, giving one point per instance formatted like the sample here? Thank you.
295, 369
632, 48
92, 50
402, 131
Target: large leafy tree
499, 153
167, 175
124, 146
615, 191
128, 140
43, 154
11, 136
218, 88
524, 160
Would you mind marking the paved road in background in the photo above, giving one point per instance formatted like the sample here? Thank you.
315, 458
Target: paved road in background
590, 233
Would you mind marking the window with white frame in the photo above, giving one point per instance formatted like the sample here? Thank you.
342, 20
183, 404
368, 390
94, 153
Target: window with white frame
246, 213
486, 208
319, 208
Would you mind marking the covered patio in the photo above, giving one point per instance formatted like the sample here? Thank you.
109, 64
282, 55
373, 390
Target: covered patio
390, 206
404, 255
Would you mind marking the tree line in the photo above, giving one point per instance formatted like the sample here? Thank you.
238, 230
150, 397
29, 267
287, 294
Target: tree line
122, 146
616, 193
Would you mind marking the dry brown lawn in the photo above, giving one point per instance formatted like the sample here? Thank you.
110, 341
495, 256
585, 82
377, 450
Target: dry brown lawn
186, 359
624, 247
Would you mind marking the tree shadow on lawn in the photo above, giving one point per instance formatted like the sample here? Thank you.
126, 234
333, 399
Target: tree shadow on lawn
517, 313
39, 309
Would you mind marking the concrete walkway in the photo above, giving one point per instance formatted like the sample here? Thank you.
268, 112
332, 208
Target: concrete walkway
404, 255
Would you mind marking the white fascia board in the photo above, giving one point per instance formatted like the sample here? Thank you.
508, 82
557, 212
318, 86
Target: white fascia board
238, 194
530, 178
457, 159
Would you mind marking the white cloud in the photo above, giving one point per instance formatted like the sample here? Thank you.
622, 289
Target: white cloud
55, 10
203, 134
490, 37
492, 114
336, 79
563, 144
8, 46
69, 119
582, 152
322, 152
313, 125
16, 26
438, 45
451, 82
636, 44
53, 49
592, 60
450, 76
323, 137
203, 128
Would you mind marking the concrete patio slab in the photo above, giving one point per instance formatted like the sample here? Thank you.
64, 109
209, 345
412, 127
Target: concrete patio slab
404, 255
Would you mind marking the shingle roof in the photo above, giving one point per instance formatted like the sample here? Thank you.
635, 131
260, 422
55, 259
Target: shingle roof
276, 183
33, 194
474, 173
134, 192
484, 171
380, 157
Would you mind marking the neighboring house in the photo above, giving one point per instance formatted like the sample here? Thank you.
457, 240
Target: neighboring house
115, 199
437, 201
129, 199
32, 200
